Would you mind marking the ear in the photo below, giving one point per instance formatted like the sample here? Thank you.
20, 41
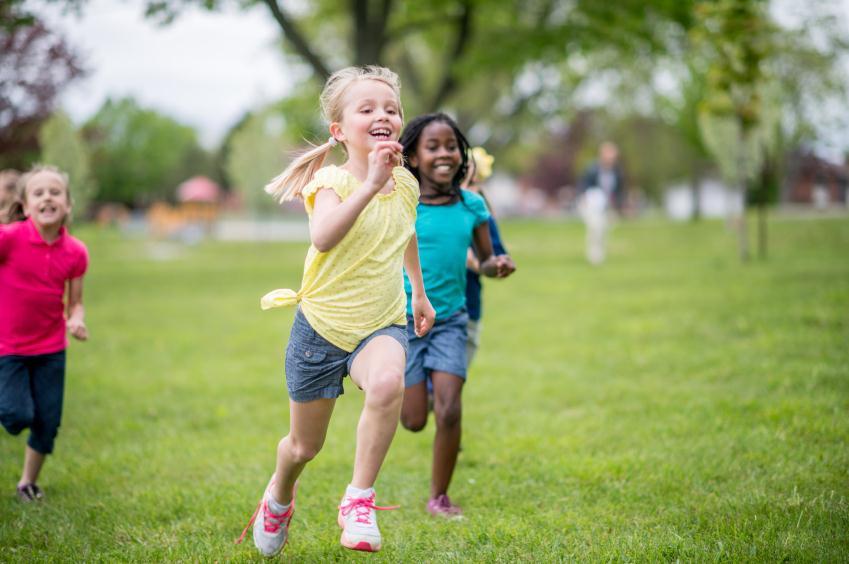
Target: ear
336, 131
413, 160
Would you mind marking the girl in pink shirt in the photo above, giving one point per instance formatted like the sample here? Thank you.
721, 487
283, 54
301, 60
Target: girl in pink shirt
38, 261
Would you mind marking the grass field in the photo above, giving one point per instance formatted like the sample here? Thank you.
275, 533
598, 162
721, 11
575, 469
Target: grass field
670, 405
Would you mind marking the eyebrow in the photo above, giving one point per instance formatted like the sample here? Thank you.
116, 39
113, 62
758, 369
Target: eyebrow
373, 101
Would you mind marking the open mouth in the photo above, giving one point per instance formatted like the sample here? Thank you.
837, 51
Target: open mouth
381, 133
444, 167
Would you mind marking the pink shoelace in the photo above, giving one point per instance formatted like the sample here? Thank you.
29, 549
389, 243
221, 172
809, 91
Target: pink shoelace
272, 521
363, 507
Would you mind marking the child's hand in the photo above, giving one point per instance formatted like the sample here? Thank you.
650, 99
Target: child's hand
423, 315
78, 329
472, 262
504, 266
385, 156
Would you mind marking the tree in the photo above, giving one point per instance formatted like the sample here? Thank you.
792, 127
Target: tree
139, 155
35, 65
63, 147
470, 57
737, 38
763, 84
254, 159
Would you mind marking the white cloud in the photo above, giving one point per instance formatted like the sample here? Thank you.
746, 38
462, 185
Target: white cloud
205, 69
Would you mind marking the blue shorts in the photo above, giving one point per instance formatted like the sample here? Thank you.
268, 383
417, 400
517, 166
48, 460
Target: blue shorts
315, 367
32, 390
442, 349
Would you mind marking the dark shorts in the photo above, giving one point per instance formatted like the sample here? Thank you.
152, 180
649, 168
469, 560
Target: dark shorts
32, 390
442, 349
315, 367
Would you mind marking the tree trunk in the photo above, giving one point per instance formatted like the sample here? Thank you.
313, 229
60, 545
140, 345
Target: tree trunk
696, 193
762, 231
742, 224
743, 228
299, 42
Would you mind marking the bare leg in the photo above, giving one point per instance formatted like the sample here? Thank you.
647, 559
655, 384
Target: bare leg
307, 429
379, 371
33, 461
414, 407
447, 408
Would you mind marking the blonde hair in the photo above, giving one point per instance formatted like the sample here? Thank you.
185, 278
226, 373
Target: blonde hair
288, 184
16, 209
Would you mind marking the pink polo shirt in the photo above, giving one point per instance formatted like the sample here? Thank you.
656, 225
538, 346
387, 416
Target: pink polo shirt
33, 276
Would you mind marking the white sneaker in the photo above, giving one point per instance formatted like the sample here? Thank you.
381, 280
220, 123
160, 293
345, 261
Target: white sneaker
270, 530
358, 520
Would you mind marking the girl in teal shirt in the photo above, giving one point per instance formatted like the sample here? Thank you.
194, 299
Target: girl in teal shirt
449, 221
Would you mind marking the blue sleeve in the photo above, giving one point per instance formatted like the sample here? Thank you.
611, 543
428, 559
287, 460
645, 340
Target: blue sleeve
497, 245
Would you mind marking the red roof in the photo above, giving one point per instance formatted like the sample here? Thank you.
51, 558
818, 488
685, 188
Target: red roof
198, 189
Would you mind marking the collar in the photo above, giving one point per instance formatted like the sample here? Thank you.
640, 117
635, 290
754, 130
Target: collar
36, 238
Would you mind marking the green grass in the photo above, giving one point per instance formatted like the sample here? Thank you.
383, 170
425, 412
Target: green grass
670, 405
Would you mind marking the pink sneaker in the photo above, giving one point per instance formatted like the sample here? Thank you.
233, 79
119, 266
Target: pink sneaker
358, 520
441, 506
270, 530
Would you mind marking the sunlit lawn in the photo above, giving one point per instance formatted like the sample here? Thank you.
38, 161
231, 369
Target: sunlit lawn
672, 404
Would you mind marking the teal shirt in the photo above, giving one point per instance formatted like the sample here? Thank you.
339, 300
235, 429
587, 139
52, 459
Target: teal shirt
444, 234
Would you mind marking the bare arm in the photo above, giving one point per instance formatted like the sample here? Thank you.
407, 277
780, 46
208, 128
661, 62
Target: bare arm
423, 312
483, 249
332, 218
76, 312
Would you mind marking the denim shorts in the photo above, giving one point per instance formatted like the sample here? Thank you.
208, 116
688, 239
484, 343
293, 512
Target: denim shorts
32, 390
442, 349
315, 367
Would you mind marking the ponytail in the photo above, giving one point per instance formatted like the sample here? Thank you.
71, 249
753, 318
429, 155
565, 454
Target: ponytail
288, 184
15, 212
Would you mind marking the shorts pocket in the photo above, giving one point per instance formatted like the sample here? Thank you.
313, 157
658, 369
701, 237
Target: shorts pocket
307, 358
313, 356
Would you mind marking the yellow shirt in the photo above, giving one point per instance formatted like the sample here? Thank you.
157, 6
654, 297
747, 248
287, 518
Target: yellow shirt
357, 287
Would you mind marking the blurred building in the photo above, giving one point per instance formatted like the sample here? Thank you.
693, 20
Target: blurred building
816, 181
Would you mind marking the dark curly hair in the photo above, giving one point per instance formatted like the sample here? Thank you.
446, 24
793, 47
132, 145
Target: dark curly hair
410, 140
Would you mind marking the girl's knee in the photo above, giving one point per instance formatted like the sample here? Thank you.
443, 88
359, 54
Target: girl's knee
16, 420
448, 414
386, 388
299, 451
413, 422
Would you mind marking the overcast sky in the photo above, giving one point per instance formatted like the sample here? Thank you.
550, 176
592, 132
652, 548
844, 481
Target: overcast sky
205, 69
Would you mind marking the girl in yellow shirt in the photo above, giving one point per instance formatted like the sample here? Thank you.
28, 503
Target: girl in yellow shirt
351, 316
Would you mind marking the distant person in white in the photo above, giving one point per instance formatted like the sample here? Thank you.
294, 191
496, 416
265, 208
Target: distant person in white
601, 187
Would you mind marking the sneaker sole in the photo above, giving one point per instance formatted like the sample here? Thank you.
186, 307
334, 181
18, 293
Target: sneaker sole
363, 546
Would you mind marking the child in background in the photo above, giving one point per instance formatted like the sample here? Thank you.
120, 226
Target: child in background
39, 261
8, 194
449, 221
351, 315
480, 168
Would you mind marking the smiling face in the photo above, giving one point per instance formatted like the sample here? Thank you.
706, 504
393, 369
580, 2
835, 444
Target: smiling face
46, 199
371, 113
437, 156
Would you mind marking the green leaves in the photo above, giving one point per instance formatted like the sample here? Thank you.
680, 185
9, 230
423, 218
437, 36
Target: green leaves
63, 147
139, 155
